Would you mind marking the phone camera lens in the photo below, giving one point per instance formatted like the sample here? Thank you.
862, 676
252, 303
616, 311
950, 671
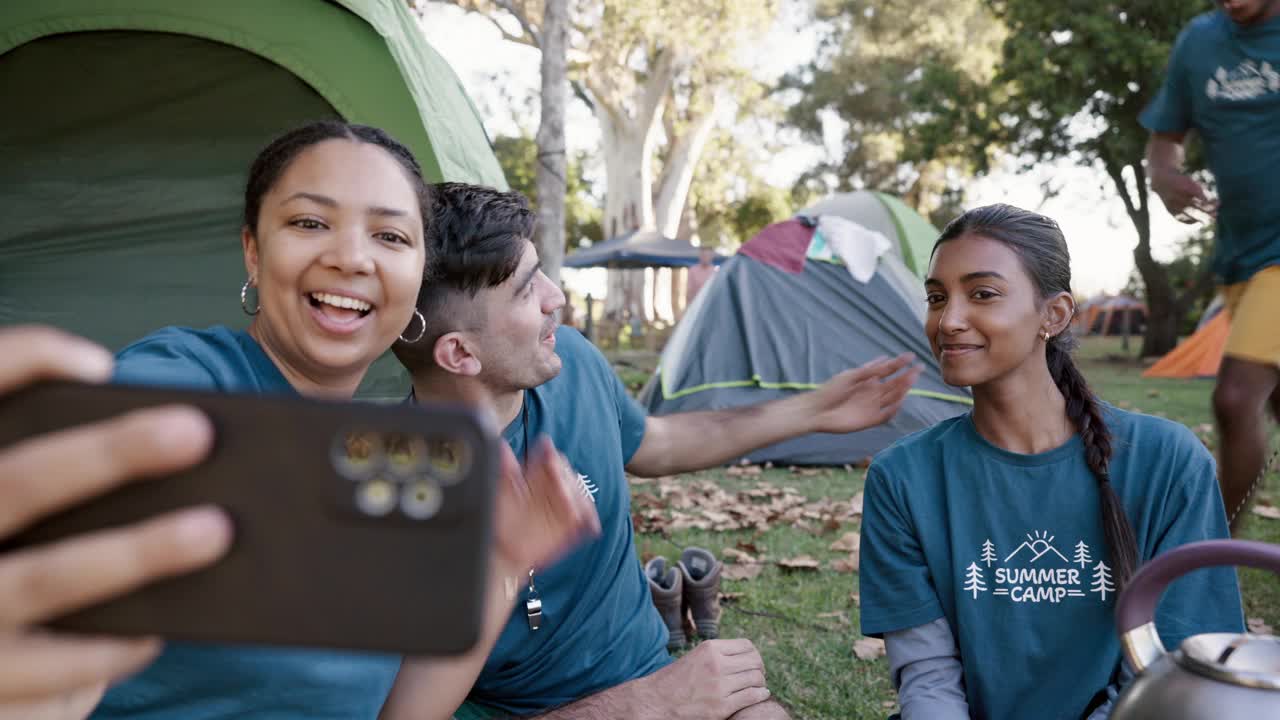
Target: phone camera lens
448, 460
405, 453
359, 454
421, 500
376, 497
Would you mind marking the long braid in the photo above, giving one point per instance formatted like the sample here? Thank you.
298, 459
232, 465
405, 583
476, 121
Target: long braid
1085, 413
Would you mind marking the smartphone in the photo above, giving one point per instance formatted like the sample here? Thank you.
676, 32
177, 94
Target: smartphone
357, 526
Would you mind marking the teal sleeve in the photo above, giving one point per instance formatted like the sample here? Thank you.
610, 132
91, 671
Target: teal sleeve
161, 360
895, 585
631, 420
1170, 110
1207, 600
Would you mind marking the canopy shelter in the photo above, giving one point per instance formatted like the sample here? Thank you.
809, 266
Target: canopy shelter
912, 235
638, 249
130, 126
787, 313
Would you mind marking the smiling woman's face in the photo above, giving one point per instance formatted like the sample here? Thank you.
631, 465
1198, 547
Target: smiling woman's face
337, 255
985, 316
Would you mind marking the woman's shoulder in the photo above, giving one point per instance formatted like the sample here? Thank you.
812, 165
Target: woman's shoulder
181, 356
920, 445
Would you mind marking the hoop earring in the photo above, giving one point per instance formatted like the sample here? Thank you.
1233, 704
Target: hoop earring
417, 314
244, 299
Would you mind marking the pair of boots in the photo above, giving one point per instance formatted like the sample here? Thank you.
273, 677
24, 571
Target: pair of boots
687, 595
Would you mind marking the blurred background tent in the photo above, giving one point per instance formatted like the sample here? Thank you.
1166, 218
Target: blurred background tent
638, 249
912, 235
129, 127
1111, 315
1200, 355
787, 313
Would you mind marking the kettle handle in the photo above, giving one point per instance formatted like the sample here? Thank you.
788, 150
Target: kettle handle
1136, 608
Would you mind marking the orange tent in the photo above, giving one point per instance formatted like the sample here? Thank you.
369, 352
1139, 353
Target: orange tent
1197, 356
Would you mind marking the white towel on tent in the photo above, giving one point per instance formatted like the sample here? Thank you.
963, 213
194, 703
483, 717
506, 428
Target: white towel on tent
858, 247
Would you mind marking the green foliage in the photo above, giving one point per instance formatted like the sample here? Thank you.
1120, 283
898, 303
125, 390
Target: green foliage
879, 65
518, 157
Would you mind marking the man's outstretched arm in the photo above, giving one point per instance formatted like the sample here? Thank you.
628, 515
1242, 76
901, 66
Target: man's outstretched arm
714, 681
853, 400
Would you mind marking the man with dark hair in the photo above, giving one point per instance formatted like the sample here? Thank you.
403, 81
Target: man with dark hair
585, 640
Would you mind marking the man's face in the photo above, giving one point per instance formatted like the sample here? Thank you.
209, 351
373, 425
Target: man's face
1246, 12
517, 345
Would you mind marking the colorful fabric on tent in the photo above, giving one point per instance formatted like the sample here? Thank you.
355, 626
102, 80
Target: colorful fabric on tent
782, 245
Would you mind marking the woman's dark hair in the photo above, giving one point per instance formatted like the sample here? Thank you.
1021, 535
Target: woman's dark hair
1042, 249
275, 158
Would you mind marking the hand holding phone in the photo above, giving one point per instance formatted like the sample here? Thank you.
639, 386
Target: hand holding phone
41, 475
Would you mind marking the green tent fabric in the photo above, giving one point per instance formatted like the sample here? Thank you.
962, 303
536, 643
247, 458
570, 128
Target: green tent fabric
130, 124
885, 214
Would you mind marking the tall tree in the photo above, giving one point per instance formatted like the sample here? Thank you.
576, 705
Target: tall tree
656, 75
878, 63
552, 160
518, 157
1072, 80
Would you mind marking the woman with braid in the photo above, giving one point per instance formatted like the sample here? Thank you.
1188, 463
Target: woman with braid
994, 543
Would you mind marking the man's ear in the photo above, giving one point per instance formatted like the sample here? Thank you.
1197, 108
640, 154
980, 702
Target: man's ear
1058, 312
453, 353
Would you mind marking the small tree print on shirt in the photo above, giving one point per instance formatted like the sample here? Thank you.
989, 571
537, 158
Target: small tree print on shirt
1082, 554
975, 583
1102, 581
988, 552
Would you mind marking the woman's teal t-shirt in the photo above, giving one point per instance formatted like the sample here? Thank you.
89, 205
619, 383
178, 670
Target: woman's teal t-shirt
1009, 549
195, 681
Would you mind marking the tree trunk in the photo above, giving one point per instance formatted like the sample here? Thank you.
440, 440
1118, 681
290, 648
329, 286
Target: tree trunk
1161, 334
551, 171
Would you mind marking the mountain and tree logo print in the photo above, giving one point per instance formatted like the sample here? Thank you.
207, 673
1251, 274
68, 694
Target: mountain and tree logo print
1036, 571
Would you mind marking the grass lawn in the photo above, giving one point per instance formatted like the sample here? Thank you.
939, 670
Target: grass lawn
805, 623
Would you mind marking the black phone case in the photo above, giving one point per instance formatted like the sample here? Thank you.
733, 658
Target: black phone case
337, 545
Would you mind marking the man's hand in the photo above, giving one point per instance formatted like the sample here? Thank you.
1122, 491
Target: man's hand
863, 397
1180, 194
715, 680
767, 710
542, 512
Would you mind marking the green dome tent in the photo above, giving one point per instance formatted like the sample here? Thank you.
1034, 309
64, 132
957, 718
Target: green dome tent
130, 125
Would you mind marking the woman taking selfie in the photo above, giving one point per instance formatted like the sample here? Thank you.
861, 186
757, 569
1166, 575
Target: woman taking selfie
994, 543
334, 249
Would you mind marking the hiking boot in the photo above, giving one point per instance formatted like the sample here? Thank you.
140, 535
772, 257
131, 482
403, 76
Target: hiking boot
701, 579
665, 583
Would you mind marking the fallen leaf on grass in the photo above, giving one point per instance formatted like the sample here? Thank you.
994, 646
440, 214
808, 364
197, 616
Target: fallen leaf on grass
730, 597
846, 543
855, 505
1153, 393
737, 556
856, 598
844, 619
803, 562
888, 704
846, 564
1258, 627
743, 470
741, 572
868, 648
1267, 511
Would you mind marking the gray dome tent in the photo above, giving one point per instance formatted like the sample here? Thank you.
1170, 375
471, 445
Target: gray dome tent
784, 315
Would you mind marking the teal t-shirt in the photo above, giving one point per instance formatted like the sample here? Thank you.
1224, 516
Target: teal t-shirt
1009, 549
1223, 80
195, 681
599, 626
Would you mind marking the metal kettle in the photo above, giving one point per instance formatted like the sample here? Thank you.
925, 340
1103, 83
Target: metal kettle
1215, 675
